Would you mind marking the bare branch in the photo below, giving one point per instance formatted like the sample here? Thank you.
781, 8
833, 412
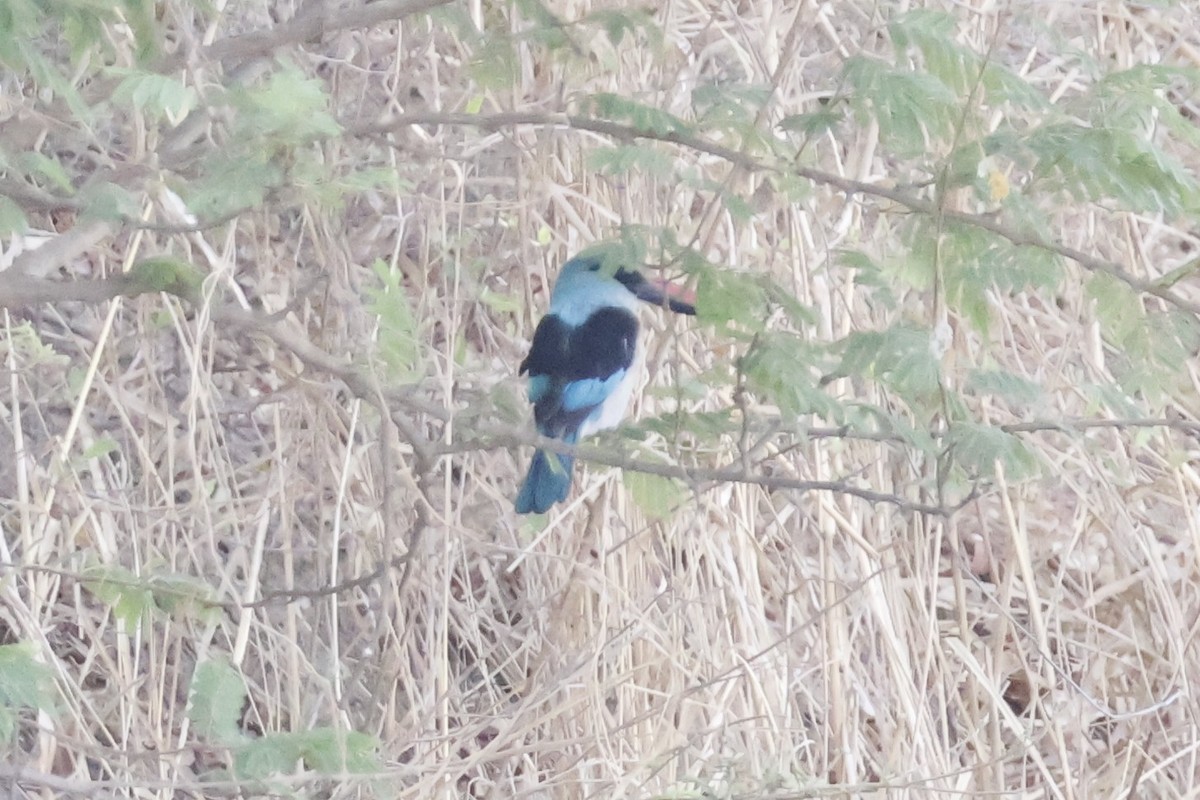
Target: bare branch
316, 21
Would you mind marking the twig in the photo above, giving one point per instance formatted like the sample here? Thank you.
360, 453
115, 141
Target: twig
318, 20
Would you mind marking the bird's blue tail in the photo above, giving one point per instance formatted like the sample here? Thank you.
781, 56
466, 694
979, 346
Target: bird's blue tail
547, 483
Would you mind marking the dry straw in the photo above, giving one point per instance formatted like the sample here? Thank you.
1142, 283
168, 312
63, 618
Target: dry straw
757, 642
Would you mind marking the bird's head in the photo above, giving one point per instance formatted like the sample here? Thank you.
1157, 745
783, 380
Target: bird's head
586, 273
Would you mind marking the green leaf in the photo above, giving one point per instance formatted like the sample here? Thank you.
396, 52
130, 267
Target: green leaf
549, 29
815, 123
159, 96
901, 358
289, 106
108, 201
25, 682
931, 32
36, 163
12, 218
495, 65
215, 701
614, 254
1187, 270
615, 24
618, 108
266, 756
630, 158
1100, 163
729, 106
33, 351
323, 750
100, 448
723, 296
398, 343
911, 107
1003, 384
167, 274
232, 181
657, 496
135, 599
333, 751
786, 370
128, 595
501, 303
977, 449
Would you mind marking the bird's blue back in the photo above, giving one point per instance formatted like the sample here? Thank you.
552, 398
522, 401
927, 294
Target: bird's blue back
581, 363
579, 370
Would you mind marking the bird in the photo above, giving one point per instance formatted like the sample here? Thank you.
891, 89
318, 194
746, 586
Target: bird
582, 362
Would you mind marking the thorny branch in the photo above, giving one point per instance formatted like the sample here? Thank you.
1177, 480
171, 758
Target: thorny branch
400, 403
747, 161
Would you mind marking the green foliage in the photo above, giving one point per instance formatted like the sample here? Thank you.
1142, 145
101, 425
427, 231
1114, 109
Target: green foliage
915, 110
159, 96
107, 201
29, 350
215, 702
730, 299
495, 63
269, 144
973, 263
977, 449
628, 158
288, 108
232, 181
730, 107
1149, 347
638, 116
12, 218
325, 750
42, 170
627, 251
548, 28
398, 344
813, 124
166, 274
656, 496
617, 23
785, 370
136, 599
1005, 385
1105, 163
100, 448
901, 358
931, 33
25, 683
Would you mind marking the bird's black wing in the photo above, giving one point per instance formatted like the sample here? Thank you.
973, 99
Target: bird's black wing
573, 369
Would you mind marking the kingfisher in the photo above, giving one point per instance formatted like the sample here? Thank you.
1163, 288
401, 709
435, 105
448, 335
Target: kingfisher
581, 364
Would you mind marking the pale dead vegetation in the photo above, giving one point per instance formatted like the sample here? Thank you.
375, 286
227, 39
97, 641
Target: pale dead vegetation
1039, 643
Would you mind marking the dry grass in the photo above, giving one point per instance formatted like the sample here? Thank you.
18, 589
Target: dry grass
756, 644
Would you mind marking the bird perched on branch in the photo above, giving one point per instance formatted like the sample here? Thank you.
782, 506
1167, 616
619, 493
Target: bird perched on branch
582, 364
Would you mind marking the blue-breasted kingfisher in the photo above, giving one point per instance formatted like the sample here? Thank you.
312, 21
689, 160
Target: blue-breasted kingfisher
583, 363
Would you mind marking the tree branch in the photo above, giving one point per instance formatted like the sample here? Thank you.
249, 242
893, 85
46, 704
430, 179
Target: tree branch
397, 403
318, 19
847, 185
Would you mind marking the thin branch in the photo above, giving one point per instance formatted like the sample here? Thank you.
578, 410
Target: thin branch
398, 403
31, 198
60, 250
19, 291
849, 186
317, 21
693, 476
